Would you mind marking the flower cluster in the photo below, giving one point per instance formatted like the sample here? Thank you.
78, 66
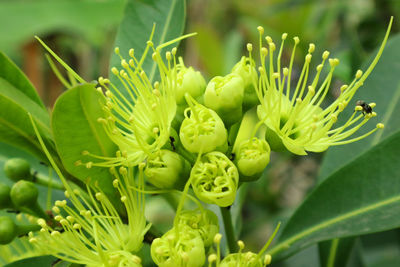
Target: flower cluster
179, 133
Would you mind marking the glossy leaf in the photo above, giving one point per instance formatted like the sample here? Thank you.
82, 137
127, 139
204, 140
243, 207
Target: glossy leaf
137, 24
362, 197
12, 74
35, 261
15, 126
75, 129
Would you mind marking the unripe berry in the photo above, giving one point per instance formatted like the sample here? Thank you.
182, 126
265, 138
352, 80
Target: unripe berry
18, 169
5, 200
24, 194
8, 230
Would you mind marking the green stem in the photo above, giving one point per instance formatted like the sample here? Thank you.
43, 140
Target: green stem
46, 181
25, 229
229, 232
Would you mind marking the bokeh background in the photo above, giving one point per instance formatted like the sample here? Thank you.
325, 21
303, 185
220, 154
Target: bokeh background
82, 32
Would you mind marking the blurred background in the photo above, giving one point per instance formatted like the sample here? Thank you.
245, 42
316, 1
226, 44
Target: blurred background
82, 32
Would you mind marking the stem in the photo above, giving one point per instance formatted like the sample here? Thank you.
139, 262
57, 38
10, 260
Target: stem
229, 232
44, 180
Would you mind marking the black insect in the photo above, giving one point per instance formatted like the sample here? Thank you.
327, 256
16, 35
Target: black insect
366, 109
232, 156
172, 140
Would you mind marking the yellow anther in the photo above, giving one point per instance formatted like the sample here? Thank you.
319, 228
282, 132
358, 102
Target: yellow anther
380, 126
89, 165
173, 51
132, 52
285, 71
32, 240
116, 50
124, 64
55, 209
249, 47
131, 62
63, 221
122, 72
275, 75
85, 153
76, 192
358, 108
311, 48
156, 130
296, 40
114, 70
343, 87
154, 56
156, 92
217, 238
156, 85
319, 67
123, 171
359, 74
334, 118
268, 39
150, 43
298, 100
88, 213
308, 58
373, 114
272, 46
99, 89
267, 259
115, 183
124, 198
142, 165
260, 30
240, 244
212, 258
325, 55
311, 90
99, 196
372, 105
43, 230
67, 194
168, 56
55, 233
264, 51
78, 163
41, 222
77, 226
70, 219
284, 36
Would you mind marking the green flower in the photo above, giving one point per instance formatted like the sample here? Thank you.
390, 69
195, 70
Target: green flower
293, 114
139, 121
180, 246
92, 232
215, 179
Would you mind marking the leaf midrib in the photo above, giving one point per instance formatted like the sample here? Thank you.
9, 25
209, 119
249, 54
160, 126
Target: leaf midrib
327, 223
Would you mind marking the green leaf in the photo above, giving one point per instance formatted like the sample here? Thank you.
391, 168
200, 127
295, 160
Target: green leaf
89, 18
362, 197
15, 125
383, 88
12, 74
336, 252
137, 24
75, 129
35, 261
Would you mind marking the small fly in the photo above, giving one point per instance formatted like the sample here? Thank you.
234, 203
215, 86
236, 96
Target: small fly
366, 109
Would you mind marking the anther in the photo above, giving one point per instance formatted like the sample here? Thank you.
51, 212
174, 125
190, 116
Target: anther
132, 52
268, 39
124, 64
311, 48
319, 67
284, 36
99, 196
260, 29
296, 40
131, 62
114, 70
267, 259
124, 198
380, 126
150, 43
85, 153
77, 226
240, 244
308, 58
359, 74
325, 55
89, 165
55, 233
77, 163
212, 258
264, 51
343, 87
217, 238
168, 56
116, 50
67, 194
285, 71
173, 51
249, 47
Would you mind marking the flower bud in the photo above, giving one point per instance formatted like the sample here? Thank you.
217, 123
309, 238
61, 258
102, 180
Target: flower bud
166, 169
214, 179
202, 130
225, 96
5, 200
179, 247
18, 169
188, 81
8, 230
251, 158
204, 221
245, 68
24, 194
249, 259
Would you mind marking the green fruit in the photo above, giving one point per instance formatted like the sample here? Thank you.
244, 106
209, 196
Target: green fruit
5, 201
8, 230
24, 194
18, 169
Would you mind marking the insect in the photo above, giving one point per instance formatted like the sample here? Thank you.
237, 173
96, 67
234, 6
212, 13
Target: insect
366, 109
172, 140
